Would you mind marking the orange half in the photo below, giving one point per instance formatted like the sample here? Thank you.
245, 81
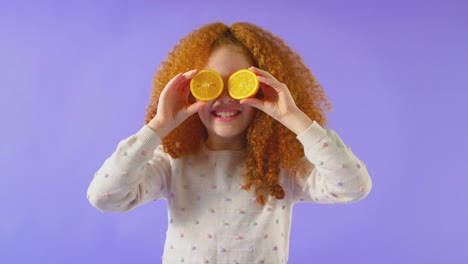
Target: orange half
206, 85
243, 84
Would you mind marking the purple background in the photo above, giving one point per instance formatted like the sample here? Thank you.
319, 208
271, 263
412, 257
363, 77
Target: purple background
76, 79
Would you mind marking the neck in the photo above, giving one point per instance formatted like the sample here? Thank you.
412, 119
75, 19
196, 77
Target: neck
220, 143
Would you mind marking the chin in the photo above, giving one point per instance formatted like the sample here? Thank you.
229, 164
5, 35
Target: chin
228, 133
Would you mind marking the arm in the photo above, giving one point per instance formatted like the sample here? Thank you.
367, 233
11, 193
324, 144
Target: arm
135, 174
333, 173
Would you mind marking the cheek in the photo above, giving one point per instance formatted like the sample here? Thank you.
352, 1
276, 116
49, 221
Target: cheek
250, 112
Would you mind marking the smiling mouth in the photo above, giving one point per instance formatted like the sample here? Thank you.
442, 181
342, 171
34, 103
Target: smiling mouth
225, 114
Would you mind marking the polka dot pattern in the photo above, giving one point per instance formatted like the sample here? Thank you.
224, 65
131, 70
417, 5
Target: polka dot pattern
208, 196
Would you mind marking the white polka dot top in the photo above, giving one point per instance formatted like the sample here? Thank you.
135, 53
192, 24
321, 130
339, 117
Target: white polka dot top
211, 219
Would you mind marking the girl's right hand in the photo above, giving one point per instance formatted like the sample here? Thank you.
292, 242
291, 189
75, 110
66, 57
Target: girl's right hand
173, 106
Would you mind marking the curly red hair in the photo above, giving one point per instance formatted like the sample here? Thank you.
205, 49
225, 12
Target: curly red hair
270, 146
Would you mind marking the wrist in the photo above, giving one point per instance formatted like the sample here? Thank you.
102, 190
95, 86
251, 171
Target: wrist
158, 127
297, 121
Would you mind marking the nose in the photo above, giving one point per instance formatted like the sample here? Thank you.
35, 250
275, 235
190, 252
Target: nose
225, 97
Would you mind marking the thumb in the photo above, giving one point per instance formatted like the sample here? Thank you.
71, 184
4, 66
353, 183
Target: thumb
252, 102
195, 107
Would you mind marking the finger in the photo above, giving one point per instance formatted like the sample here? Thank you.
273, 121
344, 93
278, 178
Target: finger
253, 102
173, 83
262, 72
195, 107
174, 80
188, 76
272, 83
182, 77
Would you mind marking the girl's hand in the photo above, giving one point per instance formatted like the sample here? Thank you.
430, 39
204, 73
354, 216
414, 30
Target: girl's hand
278, 102
173, 106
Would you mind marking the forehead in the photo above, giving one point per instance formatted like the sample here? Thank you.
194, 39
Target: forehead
226, 60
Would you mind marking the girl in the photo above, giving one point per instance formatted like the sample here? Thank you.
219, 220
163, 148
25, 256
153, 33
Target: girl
231, 170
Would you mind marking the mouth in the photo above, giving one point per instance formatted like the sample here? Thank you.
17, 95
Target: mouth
225, 115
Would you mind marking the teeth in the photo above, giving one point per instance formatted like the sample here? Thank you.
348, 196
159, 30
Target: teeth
226, 114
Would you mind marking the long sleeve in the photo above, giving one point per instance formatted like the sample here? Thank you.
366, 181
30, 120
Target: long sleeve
333, 174
136, 173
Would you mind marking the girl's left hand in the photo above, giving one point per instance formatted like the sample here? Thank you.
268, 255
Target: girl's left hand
278, 102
